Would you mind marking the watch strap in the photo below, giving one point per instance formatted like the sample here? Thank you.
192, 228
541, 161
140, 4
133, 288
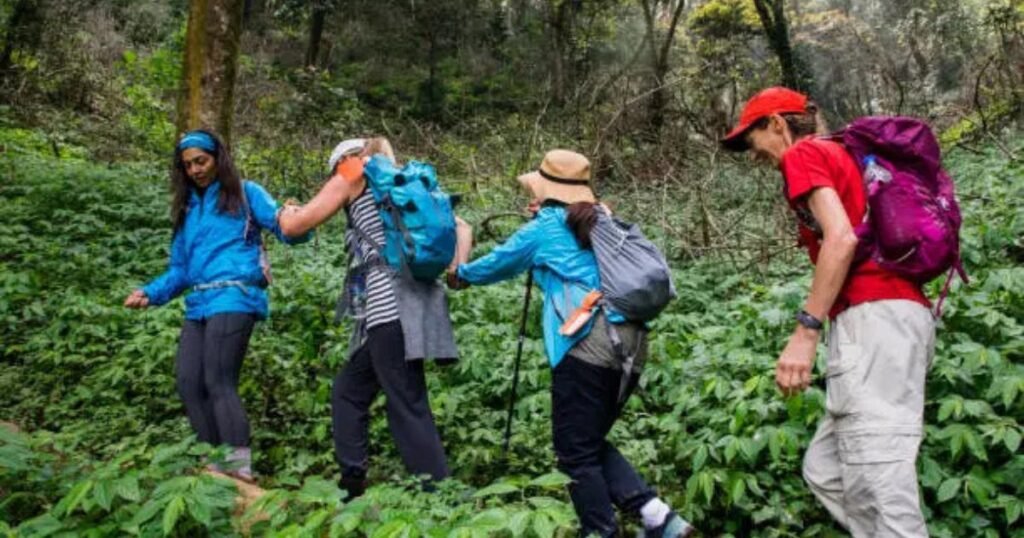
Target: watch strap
809, 321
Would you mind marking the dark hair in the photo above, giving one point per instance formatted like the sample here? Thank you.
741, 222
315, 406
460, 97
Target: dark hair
230, 198
581, 219
800, 124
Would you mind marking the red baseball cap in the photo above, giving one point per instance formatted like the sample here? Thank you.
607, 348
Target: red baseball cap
774, 100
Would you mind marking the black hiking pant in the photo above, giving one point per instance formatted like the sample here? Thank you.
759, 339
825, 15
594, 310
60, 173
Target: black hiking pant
380, 365
584, 406
210, 354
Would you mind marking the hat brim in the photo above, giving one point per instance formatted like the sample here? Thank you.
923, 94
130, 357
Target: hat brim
543, 189
736, 140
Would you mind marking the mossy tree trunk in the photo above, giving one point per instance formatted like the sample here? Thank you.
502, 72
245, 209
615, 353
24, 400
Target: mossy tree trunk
776, 28
660, 46
317, 18
212, 42
22, 32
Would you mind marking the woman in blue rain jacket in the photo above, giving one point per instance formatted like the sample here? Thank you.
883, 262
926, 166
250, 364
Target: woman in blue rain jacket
586, 372
217, 256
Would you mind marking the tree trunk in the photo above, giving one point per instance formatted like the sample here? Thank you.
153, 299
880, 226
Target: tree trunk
773, 19
559, 37
316, 31
509, 16
212, 41
249, 9
25, 13
660, 51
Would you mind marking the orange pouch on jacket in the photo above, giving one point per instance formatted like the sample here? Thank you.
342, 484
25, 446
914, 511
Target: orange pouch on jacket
581, 315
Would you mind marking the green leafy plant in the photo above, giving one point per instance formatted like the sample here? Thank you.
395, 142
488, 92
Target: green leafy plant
109, 449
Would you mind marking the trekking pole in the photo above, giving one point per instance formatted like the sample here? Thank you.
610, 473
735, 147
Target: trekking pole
515, 370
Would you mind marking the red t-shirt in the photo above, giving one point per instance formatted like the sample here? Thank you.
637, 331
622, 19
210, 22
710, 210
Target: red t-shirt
813, 163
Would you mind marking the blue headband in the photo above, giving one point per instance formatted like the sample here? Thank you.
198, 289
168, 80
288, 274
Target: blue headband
197, 139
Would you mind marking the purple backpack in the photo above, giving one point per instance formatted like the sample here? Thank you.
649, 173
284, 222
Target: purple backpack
912, 226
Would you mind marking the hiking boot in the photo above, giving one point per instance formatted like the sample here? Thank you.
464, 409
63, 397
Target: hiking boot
673, 527
354, 485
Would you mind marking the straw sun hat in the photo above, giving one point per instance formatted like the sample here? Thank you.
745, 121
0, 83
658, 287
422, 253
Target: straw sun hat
563, 176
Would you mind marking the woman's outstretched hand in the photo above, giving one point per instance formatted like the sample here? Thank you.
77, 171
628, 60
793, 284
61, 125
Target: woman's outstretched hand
454, 282
137, 299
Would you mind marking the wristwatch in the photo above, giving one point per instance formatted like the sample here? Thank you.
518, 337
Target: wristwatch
809, 321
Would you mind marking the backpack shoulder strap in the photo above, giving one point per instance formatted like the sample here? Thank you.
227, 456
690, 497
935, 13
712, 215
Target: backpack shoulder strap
250, 222
627, 358
361, 234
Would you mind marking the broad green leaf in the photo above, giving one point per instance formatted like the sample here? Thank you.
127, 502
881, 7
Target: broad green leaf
699, 457
751, 384
737, 490
172, 512
1010, 390
103, 494
74, 497
707, 485
1012, 440
492, 520
975, 445
541, 503
391, 529
980, 488
551, 480
949, 407
345, 524
948, 489
1013, 511
40, 526
317, 490
199, 510
731, 449
750, 448
495, 489
519, 522
543, 526
178, 484
775, 441
146, 513
753, 486
313, 522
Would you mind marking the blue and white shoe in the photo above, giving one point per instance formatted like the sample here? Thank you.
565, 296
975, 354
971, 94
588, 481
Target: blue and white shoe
673, 527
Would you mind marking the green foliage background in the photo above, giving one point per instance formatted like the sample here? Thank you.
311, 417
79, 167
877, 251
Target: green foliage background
482, 89
109, 451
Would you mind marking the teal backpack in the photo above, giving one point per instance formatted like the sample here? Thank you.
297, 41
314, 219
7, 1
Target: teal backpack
419, 222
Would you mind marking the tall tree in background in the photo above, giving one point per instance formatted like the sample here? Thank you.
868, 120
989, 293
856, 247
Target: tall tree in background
22, 30
211, 63
317, 17
776, 28
660, 45
249, 9
562, 20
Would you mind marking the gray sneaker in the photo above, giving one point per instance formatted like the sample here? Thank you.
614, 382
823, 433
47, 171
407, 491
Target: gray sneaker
673, 527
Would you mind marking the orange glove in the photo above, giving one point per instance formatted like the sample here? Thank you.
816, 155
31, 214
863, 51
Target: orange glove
350, 168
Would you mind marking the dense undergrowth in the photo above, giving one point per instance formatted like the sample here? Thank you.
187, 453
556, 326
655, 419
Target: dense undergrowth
107, 449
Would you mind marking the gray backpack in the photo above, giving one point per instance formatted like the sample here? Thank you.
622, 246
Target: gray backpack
635, 279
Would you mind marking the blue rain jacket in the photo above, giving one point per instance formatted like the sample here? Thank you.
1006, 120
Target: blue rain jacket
211, 248
565, 273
